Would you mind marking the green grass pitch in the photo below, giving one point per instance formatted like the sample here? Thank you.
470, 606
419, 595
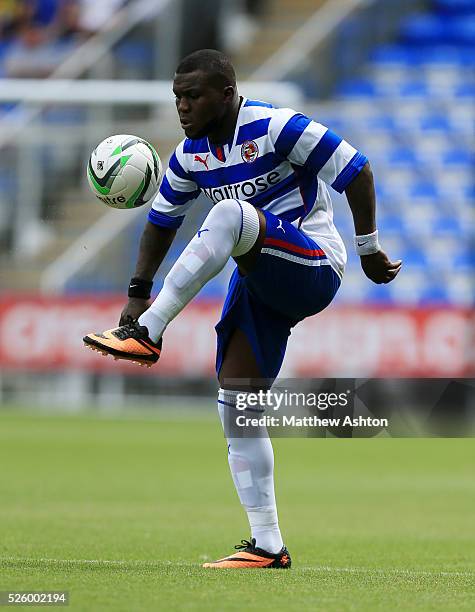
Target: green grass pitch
121, 512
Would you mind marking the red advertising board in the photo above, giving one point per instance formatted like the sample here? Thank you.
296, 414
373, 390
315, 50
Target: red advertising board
45, 333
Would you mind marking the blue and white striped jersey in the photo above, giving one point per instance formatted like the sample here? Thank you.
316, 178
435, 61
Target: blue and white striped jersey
278, 160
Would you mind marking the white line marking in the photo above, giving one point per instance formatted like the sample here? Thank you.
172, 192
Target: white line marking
90, 561
317, 568
389, 570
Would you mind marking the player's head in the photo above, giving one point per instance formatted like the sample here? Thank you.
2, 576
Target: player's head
205, 90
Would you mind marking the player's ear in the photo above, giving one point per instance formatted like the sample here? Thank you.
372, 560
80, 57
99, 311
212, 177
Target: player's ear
229, 93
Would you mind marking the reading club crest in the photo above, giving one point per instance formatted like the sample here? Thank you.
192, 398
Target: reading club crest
249, 151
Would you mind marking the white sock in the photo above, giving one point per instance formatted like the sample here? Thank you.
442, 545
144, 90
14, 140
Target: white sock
230, 229
251, 460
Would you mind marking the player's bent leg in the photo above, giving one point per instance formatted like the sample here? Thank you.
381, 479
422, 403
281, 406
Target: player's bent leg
231, 229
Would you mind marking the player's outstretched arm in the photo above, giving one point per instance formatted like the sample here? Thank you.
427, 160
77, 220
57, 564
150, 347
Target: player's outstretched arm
154, 245
362, 200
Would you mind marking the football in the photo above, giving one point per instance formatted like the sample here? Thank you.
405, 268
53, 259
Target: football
124, 171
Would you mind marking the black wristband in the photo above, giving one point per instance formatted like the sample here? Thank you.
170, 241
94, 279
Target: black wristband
140, 288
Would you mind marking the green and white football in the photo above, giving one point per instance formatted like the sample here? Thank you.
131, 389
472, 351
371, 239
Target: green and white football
124, 171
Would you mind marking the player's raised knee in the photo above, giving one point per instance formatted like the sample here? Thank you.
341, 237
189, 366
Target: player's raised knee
238, 217
230, 208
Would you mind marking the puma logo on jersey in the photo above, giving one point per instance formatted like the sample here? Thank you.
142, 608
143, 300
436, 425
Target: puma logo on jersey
203, 161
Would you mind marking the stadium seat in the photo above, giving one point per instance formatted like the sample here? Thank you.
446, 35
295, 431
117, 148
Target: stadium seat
438, 123
433, 293
458, 157
466, 259
392, 224
462, 31
467, 90
383, 122
414, 258
358, 88
424, 29
414, 89
425, 191
455, 7
416, 122
379, 294
447, 225
402, 156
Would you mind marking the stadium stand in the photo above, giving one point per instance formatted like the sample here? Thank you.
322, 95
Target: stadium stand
413, 113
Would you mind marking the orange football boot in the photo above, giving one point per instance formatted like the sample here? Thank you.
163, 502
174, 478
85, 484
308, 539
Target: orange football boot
130, 342
251, 556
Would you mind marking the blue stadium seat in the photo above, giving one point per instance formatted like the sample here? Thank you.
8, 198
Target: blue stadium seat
462, 31
380, 294
412, 56
425, 29
465, 259
415, 89
435, 30
447, 225
364, 88
447, 54
458, 157
403, 156
426, 190
455, 7
414, 258
466, 90
433, 293
391, 223
393, 54
382, 122
439, 123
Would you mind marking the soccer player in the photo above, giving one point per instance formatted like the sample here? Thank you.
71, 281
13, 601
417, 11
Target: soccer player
266, 170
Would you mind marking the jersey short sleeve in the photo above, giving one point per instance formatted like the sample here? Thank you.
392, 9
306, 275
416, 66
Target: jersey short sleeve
313, 146
176, 195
